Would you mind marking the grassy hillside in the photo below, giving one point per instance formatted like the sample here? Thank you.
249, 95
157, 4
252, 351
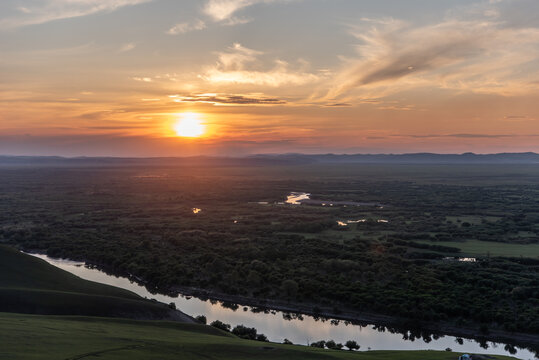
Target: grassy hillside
30, 285
54, 337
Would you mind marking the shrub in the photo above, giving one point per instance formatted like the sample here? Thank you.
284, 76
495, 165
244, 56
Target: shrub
352, 345
319, 344
220, 325
261, 337
244, 332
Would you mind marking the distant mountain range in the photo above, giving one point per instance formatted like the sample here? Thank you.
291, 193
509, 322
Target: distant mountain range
277, 159
415, 158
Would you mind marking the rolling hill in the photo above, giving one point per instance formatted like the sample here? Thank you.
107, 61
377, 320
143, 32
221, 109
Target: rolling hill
30, 285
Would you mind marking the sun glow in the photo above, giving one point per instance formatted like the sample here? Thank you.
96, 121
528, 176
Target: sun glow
189, 125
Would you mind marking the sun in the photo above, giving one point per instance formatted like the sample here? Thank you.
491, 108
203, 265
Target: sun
189, 125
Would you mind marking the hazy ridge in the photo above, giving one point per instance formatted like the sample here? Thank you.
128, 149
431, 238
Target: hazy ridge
279, 159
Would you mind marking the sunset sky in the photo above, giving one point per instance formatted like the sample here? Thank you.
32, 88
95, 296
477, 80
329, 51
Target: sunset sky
115, 77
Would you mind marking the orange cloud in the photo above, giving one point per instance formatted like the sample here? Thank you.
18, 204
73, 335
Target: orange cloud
466, 55
234, 66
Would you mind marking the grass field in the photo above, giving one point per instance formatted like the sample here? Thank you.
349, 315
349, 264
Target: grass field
482, 248
53, 337
475, 248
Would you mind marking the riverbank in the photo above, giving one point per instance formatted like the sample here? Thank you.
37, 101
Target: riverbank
300, 329
394, 324
57, 337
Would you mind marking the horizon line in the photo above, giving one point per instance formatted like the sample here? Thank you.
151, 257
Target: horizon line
266, 154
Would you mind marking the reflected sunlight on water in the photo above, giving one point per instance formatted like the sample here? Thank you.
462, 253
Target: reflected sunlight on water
295, 198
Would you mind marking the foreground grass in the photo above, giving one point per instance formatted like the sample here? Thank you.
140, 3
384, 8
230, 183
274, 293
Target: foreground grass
55, 337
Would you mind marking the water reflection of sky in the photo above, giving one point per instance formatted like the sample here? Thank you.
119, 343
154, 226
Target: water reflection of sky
296, 197
276, 328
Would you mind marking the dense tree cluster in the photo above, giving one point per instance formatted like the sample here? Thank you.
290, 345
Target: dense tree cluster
145, 227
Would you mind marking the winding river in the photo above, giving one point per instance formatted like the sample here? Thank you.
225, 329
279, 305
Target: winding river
276, 326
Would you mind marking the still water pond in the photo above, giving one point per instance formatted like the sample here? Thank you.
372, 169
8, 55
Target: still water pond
295, 198
300, 198
276, 327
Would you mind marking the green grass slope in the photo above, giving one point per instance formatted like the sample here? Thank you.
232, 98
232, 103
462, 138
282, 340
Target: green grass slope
30, 285
55, 337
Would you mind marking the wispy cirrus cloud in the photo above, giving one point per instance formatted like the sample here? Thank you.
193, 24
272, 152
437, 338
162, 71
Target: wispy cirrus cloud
241, 65
50, 10
225, 10
342, 104
518, 118
127, 47
481, 55
142, 78
220, 10
466, 136
182, 28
